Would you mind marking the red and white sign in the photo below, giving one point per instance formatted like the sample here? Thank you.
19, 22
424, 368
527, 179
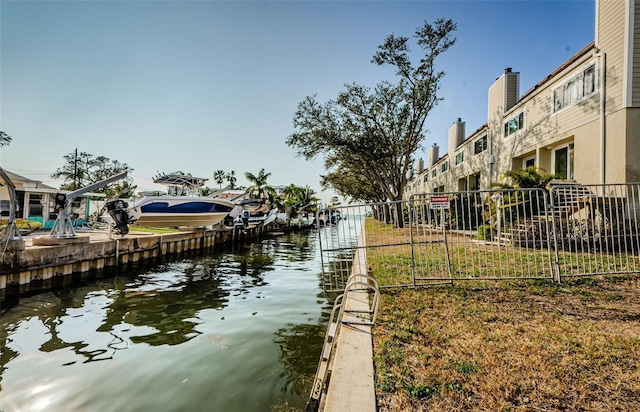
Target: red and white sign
440, 202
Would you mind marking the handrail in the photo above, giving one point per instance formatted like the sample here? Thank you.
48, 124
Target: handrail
319, 383
368, 283
363, 286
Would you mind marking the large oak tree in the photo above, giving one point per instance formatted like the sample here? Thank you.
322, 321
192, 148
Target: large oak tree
371, 136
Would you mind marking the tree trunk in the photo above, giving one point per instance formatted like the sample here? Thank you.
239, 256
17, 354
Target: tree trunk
398, 215
388, 219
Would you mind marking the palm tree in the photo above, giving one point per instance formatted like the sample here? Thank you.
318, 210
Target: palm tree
259, 188
218, 177
289, 197
205, 191
298, 198
308, 198
290, 191
231, 179
530, 178
122, 190
517, 202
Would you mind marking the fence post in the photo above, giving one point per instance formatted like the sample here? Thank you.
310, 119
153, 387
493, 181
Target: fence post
413, 257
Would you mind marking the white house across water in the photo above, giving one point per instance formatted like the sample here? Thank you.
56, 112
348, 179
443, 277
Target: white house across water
36, 201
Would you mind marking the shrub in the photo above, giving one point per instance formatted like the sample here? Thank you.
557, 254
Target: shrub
484, 232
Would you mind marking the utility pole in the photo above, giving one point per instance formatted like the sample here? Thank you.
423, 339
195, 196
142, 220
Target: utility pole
76, 185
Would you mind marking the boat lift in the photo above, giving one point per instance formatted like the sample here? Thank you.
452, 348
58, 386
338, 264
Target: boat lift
12, 232
63, 227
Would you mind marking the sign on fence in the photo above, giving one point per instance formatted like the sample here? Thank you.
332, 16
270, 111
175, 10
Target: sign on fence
440, 202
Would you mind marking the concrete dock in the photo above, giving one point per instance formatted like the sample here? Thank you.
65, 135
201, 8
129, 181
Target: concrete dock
39, 263
352, 383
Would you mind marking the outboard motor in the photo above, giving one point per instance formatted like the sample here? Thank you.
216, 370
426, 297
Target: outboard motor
118, 211
60, 201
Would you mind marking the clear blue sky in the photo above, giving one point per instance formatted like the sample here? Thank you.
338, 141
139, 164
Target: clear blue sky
199, 86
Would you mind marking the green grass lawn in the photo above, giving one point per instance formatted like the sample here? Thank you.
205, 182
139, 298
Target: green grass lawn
510, 346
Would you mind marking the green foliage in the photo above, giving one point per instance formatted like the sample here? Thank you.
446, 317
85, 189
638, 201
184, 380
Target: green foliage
121, 189
421, 391
369, 137
218, 177
463, 213
520, 203
260, 189
466, 368
206, 191
484, 232
530, 178
354, 185
231, 179
5, 139
298, 198
82, 169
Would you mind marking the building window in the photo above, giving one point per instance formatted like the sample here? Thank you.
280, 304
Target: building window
527, 162
425, 178
444, 167
35, 204
463, 184
563, 162
589, 83
434, 172
514, 124
459, 158
480, 145
474, 182
575, 90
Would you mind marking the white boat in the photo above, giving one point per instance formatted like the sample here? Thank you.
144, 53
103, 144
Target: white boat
329, 217
172, 210
265, 218
259, 212
179, 211
302, 221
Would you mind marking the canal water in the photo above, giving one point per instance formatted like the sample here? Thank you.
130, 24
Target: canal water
239, 330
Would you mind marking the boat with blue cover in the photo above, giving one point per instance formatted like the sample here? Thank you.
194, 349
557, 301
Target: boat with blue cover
183, 207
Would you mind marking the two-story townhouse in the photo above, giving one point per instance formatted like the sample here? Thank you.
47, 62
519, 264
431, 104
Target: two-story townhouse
582, 121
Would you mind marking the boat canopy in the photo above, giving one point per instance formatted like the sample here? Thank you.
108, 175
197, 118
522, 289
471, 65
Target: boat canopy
180, 180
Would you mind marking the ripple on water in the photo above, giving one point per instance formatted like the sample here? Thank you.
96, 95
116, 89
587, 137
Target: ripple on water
231, 331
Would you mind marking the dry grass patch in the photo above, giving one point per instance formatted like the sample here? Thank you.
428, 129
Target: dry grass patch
524, 346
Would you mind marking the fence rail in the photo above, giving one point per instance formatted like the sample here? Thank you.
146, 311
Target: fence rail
433, 238
596, 228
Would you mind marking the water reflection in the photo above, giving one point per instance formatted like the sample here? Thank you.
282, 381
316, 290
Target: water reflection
300, 346
339, 243
163, 306
6, 353
227, 313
